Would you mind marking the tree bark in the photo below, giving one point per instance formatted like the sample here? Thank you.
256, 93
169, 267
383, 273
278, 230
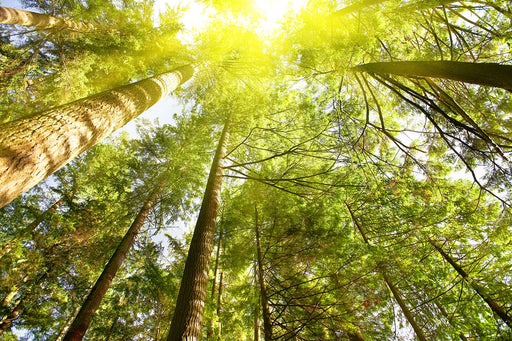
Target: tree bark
92, 302
490, 74
44, 21
495, 307
267, 322
188, 315
32, 148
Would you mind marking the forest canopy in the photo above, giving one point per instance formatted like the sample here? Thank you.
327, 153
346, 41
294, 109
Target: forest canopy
338, 170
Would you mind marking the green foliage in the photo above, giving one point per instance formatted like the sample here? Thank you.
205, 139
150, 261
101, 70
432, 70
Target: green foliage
356, 177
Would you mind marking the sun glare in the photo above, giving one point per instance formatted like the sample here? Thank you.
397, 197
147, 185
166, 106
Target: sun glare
271, 12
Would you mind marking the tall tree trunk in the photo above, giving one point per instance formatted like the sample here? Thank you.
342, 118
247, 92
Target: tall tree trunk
45, 21
267, 322
31, 149
405, 310
188, 315
211, 326
257, 305
93, 300
495, 307
491, 74
219, 305
394, 290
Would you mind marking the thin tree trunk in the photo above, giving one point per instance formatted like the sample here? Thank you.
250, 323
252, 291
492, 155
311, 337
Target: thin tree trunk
64, 329
257, 305
450, 320
32, 148
394, 290
188, 315
211, 326
219, 305
33, 225
45, 21
490, 74
93, 300
495, 307
405, 310
267, 322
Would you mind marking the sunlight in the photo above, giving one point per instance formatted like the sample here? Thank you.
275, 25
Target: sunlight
273, 11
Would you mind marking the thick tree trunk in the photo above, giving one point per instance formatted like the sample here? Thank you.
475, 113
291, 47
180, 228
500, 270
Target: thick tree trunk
491, 74
267, 322
93, 300
31, 149
394, 290
495, 307
188, 315
45, 21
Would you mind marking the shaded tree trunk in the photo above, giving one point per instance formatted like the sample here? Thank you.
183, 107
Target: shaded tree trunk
267, 323
490, 74
188, 315
45, 21
31, 149
93, 300
495, 307
394, 290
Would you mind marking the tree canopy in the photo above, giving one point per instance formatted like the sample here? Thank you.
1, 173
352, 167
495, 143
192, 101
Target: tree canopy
346, 165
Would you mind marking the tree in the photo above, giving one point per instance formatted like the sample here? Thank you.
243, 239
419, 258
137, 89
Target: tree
188, 316
34, 148
82, 320
491, 74
44, 21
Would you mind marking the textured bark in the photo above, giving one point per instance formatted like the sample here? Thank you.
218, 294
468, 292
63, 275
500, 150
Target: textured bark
45, 21
267, 322
188, 315
490, 74
394, 290
495, 307
92, 302
33, 148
